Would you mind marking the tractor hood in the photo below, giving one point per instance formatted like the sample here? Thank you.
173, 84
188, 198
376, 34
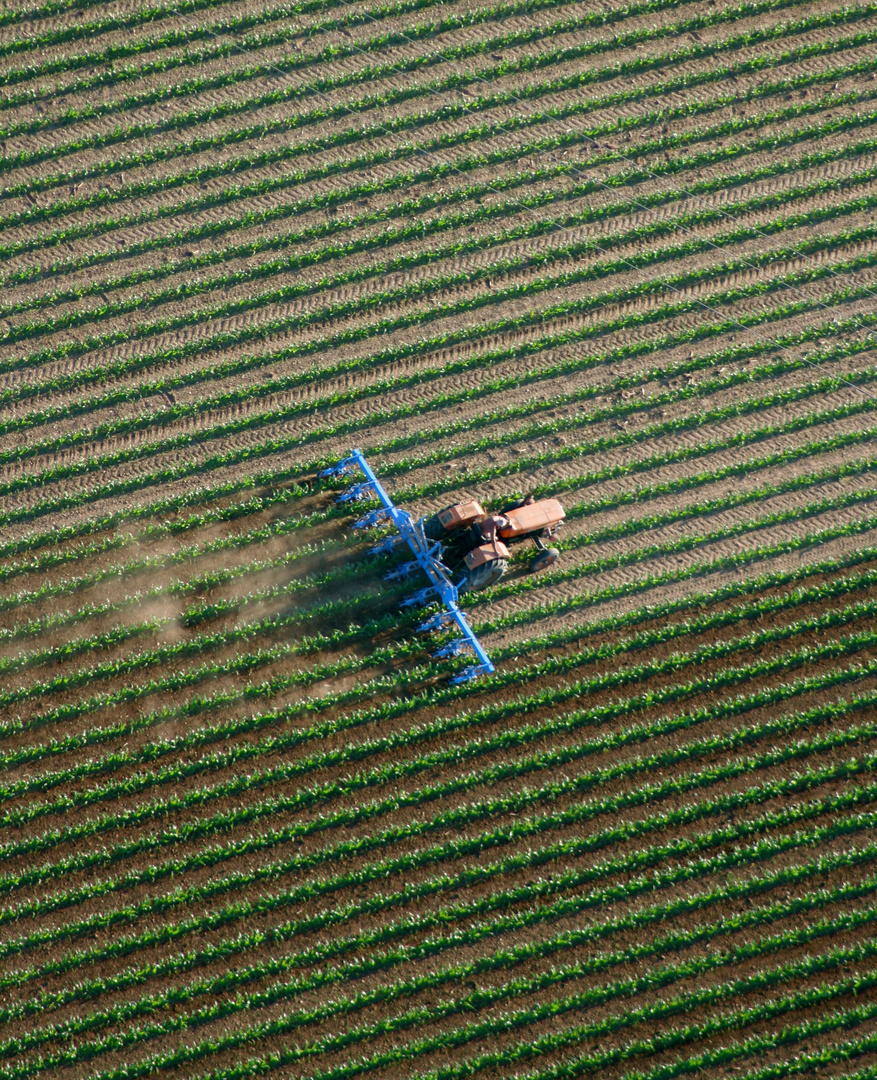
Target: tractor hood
544, 514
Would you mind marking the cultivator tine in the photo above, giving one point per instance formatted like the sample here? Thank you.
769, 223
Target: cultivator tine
419, 599
427, 554
400, 572
434, 622
452, 648
386, 546
372, 519
343, 468
358, 491
471, 672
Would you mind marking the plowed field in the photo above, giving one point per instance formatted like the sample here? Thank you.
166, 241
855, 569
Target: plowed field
624, 256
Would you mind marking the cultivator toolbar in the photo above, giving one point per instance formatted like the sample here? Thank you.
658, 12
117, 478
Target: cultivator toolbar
427, 557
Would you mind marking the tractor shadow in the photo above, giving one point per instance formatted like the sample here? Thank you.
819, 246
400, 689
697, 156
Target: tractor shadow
348, 601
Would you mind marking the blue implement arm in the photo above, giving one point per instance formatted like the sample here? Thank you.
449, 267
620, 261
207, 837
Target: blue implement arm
427, 556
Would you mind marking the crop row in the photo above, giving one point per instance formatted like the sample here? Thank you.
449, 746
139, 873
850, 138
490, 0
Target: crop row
531, 858
634, 526
405, 208
368, 185
567, 886
411, 291
195, 58
103, 373
170, 653
66, 34
405, 261
454, 974
199, 582
206, 736
271, 446
841, 1053
759, 378
360, 751
539, 902
583, 76
655, 461
210, 495
747, 407
837, 957
118, 540
447, 222
336, 80
185, 555
577, 363
212, 866
218, 48
180, 37
659, 977
155, 751
61, 383
210, 501
345, 609
498, 98
674, 283
45, 11
690, 573
645, 554
768, 1015
424, 288
198, 799
494, 927
179, 587
517, 37
455, 820
200, 830
109, 639
249, 662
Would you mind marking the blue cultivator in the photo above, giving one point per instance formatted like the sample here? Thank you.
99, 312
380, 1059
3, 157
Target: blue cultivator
427, 557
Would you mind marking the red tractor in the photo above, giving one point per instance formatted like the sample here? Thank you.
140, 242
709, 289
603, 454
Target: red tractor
475, 542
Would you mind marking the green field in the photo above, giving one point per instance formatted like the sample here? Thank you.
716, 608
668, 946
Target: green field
621, 256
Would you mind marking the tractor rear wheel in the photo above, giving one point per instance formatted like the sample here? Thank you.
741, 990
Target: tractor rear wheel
545, 559
433, 528
483, 576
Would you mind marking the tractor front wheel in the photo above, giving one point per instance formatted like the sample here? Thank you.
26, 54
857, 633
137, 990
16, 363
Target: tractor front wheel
545, 559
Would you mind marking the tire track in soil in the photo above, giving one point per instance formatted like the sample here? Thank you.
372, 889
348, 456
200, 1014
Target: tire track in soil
520, 251
248, 438
680, 126
78, 363
115, 350
380, 202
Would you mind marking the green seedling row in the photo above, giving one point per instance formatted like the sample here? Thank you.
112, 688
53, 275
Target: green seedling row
471, 814
364, 187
